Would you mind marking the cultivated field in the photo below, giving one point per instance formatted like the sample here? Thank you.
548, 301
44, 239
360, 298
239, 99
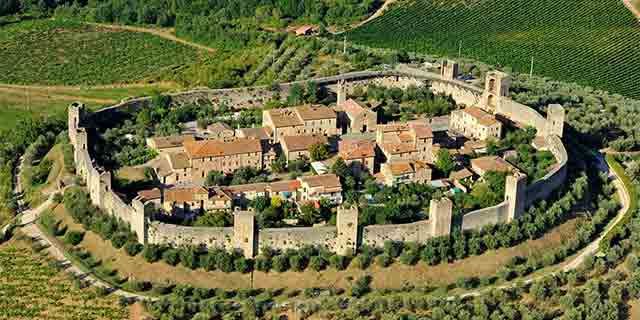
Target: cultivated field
30, 288
55, 52
594, 43
17, 102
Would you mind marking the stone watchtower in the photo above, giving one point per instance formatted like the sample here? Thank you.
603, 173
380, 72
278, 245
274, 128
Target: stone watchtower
496, 86
98, 188
555, 120
440, 215
75, 114
341, 92
449, 70
244, 232
347, 224
515, 195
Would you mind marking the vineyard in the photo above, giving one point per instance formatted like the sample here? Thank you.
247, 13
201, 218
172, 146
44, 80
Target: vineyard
594, 43
32, 288
55, 52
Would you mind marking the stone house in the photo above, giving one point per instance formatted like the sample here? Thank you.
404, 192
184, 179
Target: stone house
316, 188
297, 121
262, 133
404, 171
483, 165
247, 192
305, 30
406, 141
295, 147
475, 123
170, 143
357, 118
224, 156
288, 190
220, 131
358, 153
189, 200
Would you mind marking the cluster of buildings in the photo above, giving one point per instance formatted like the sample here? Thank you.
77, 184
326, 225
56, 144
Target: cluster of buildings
394, 153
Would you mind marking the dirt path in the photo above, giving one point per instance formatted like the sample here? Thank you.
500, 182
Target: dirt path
36, 94
157, 32
376, 14
634, 7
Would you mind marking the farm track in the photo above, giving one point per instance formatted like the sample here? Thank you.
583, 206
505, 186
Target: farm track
376, 14
160, 33
634, 8
51, 95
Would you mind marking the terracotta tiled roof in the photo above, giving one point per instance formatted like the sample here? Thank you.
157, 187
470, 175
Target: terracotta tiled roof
218, 127
184, 194
254, 187
304, 29
353, 108
284, 186
461, 174
328, 181
422, 131
398, 168
287, 117
178, 160
162, 167
491, 163
301, 143
213, 148
397, 148
481, 116
220, 194
257, 133
357, 149
394, 127
151, 194
307, 113
171, 141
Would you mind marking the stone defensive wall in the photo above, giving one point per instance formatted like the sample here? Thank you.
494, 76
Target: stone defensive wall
346, 236
376, 235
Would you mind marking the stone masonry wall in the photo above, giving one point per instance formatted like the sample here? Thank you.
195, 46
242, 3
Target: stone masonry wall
296, 238
376, 235
485, 216
163, 233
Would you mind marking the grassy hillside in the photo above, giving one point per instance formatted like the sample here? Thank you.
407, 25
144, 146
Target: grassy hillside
595, 43
55, 52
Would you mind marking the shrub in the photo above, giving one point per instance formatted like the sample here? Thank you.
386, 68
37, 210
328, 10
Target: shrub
137, 286
361, 287
280, 263
242, 265
171, 256
224, 262
57, 198
392, 248
208, 261
152, 253
297, 262
74, 237
188, 257
118, 240
384, 260
338, 262
409, 257
317, 263
263, 263
132, 248
361, 261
